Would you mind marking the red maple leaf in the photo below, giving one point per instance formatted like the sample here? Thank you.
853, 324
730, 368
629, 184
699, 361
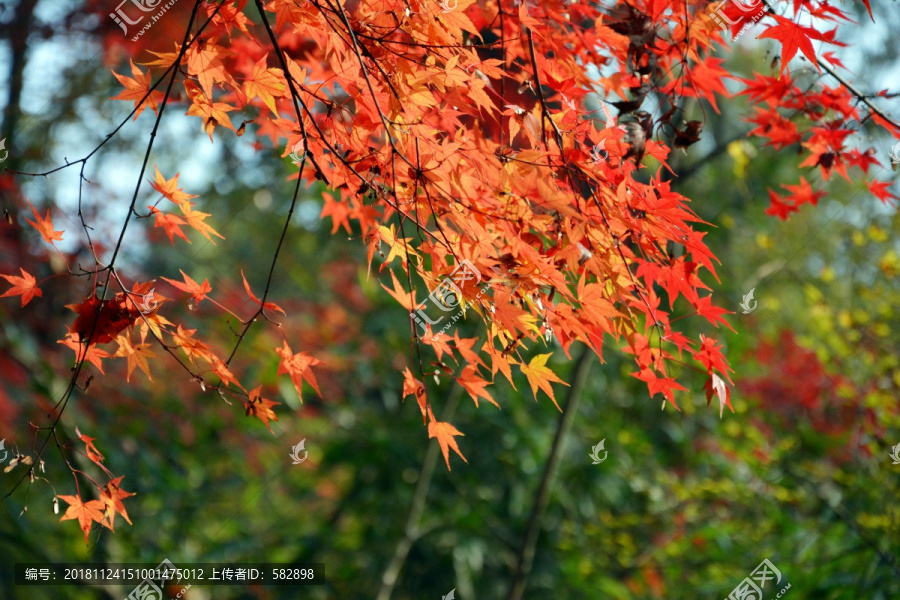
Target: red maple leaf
299, 367
793, 37
85, 512
261, 408
44, 225
26, 286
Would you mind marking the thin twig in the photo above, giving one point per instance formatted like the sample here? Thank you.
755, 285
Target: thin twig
411, 531
525, 559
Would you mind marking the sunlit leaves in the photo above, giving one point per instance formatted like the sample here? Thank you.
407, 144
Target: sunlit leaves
86, 513
44, 225
136, 354
137, 88
261, 408
24, 286
299, 367
540, 376
445, 434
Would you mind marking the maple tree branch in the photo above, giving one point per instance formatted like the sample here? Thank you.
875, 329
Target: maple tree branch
76, 371
849, 86
411, 530
525, 558
545, 112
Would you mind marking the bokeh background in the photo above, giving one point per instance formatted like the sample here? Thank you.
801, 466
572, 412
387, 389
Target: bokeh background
686, 504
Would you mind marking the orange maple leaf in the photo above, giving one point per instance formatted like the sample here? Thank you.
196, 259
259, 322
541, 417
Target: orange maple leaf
184, 339
112, 496
171, 224
269, 305
137, 355
299, 367
26, 286
223, 372
261, 408
196, 220
86, 513
93, 354
540, 376
198, 291
444, 433
265, 84
90, 449
474, 384
44, 225
213, 113
205, 62
138, 89
414, 387
170, 190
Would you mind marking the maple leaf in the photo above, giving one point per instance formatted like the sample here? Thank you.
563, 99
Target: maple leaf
223, 372
778, 208
261, 408
265, 84
400, 247
93, 354
184, 339
26, 286
793, 36
196, 220
540, 376
268, 305
406, 299
444, 433
90, 449
138, 89
44, 225
213, 113
879, 189
105, 319
170, 190
803, 193
205, 62
472, 383
299, 367
171, 224
705, 308
715, 385
111, 496
414, 387
85, 513
137, 355
197, 291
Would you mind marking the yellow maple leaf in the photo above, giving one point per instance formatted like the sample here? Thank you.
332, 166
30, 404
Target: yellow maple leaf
540, 376
137, 355
265, 84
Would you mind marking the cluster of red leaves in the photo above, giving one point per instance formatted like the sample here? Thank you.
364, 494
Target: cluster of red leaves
408, 112
799, 388
104, 509
464, 135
